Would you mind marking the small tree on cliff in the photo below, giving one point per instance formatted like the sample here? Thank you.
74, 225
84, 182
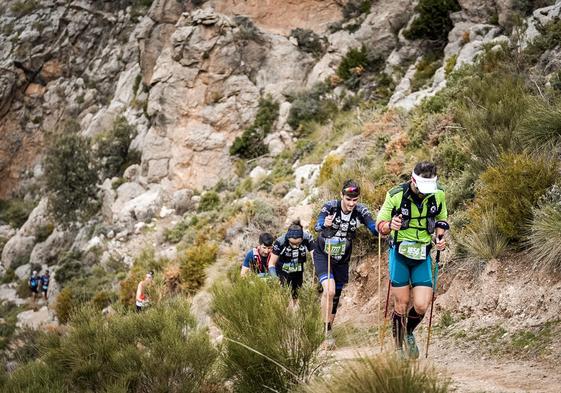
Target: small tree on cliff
71, 176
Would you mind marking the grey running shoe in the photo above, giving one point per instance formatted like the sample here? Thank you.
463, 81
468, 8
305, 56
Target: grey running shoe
412, 348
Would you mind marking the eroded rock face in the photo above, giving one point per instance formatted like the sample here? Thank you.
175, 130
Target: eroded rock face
206, 86
59, 61
281, 17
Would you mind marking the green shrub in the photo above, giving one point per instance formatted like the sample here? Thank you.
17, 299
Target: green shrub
15, 211
30, 340
387, 374
9, 276
451, 156
210, 200
24, 7
541, 128
491, 108
545, 233
450, 64
329, 165
353, 58
355, 8
70, 177
433, 21
261, 214
175, 234
113, 148
482, 239
71, 267
193, 263
425, 70
255, 313
43, 232
311, 106
512, 188
548, 39
250, 143
308, 41
159, 350
22, 289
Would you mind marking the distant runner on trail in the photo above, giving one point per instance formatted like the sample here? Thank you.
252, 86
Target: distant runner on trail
141, 297
257, 259
337, 224
33, 282
289, 255
45, 278
414, 211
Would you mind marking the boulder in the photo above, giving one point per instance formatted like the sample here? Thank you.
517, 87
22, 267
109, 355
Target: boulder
8, 293
38, 218
145, 206
258, 174
49, 251
34, 319
23, 272
181, 200
305, 176
478, 11
17, 250
6, 231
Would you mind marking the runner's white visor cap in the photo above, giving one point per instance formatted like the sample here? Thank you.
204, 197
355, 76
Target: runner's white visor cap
425, 185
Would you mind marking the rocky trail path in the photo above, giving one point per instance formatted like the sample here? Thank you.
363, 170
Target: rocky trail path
472, 374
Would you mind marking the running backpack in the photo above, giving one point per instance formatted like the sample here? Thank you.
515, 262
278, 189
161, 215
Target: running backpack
33, 282
257, 263
405, 209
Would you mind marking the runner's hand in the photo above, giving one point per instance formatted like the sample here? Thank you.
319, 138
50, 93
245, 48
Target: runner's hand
328, 220
396, 223
440, 244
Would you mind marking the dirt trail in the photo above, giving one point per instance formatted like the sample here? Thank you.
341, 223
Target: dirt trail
476, 375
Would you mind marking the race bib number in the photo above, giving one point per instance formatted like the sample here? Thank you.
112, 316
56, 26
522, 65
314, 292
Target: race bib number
413, 250
292, 267
336, 246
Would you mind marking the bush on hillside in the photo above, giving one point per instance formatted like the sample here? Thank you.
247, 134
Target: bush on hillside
544, 238
541, 128
512, 188
433, 21
482, 238
491, 107
71, 177
24, 7
210, 200
354, 8
308, 41
387, 374
425, 70
255, 313
311, 106
159, 350
353, 59
15, 211
193, 263
250, 144
113, 149
71, 267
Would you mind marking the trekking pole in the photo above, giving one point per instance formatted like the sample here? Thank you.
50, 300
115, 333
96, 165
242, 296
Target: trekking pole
435, 274
379, 276
328, 286
384, 326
